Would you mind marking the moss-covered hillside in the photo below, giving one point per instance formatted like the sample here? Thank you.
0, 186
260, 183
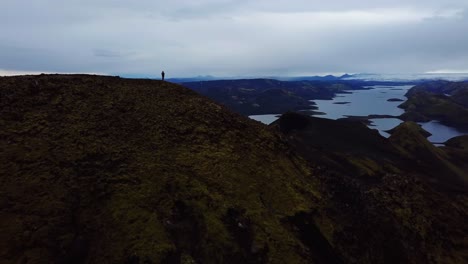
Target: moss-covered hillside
401, 200
109, 170
100, 169
444, 101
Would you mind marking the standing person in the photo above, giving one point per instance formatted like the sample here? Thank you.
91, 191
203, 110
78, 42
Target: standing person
162, 75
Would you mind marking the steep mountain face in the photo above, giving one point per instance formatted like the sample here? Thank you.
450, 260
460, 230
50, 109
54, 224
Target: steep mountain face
108, 170
385, 201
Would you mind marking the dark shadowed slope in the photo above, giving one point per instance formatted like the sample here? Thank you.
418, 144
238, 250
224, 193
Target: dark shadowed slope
386, 201
340, 144
109, 170
438, 167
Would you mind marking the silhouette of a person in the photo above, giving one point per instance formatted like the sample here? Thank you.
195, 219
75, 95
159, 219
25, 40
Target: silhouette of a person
162, 75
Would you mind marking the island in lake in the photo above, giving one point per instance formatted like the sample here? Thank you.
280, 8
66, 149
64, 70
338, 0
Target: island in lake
395, 100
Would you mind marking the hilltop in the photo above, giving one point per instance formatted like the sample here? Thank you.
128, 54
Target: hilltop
99, 169
110, 170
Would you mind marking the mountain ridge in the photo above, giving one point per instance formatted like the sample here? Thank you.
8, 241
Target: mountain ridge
105, 169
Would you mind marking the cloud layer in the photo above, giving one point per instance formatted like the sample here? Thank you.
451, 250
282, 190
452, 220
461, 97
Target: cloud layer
233, 38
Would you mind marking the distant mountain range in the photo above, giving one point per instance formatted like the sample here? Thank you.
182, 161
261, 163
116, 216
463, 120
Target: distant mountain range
417, 77
280, 78
267, 96
409, 77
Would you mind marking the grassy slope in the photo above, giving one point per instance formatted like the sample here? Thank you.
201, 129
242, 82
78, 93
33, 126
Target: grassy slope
435, 162
104, 169
460, 142
430, 101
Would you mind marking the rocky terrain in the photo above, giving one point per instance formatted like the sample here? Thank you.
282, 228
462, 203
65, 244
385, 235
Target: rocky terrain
101, 169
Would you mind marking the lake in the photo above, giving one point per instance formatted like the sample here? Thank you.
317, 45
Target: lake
374, 102
364, 102
266, 119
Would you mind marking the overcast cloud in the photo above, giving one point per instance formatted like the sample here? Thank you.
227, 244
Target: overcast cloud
233, 38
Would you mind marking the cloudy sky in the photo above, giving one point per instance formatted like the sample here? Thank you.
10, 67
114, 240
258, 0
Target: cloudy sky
233, 38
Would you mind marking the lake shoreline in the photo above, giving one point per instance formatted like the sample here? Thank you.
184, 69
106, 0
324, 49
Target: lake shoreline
373, 108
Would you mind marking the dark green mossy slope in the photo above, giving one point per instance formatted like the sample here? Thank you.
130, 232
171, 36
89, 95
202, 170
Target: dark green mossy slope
340, 144
460, 142
457, 149
434, 162
107, 170
444, 101
385, 201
